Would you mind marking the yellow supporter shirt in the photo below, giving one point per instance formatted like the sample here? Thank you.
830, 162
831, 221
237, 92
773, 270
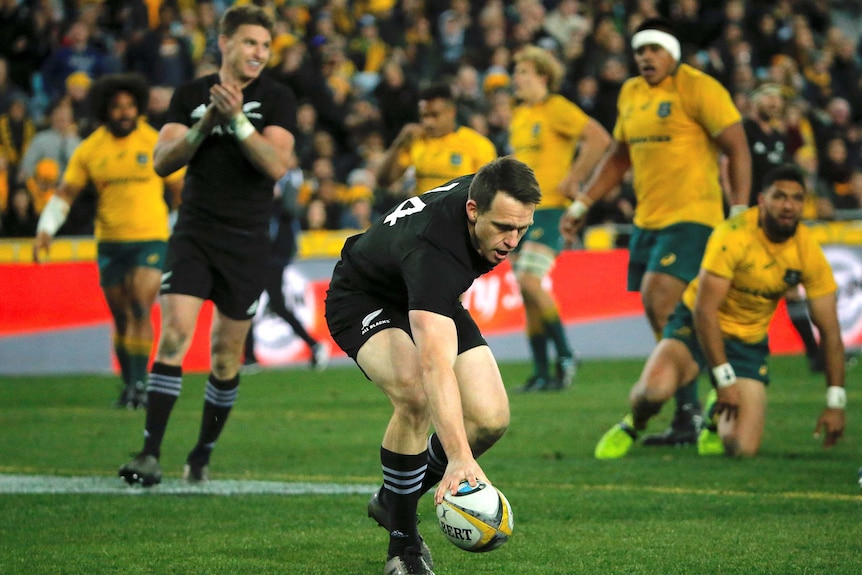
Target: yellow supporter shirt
131, 205
760, 272
438, 160
669, 129
545, 136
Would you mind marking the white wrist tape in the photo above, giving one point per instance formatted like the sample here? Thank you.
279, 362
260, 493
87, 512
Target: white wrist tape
53, 215
578, 209
836, 397
724, 375
737, 209
242, 128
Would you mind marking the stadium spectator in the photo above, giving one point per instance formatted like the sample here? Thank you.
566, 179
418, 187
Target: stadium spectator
666, 159
9, 90
77, 91
721, 325
19, 218
17, 130
437, 149
397, 97
76, 55
394, 307
132, 220
42, 185
231, 130
562, 145
57, 142
164, 55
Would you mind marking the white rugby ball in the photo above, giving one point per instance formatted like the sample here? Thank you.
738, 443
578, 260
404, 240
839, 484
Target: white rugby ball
476, 519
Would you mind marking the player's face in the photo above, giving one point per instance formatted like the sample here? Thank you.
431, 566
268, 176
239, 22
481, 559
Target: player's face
246, 52
437, 116
529, 85
122, 116
781, 209
497, 232
654, 63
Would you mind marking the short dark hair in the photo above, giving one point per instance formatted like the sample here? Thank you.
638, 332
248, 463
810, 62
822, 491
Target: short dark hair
784, 172
508, 175
656, 24
437, 91
236, 16
105, 88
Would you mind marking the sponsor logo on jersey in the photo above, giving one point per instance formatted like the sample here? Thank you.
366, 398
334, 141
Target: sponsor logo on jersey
165, 277
663, 110
456, 159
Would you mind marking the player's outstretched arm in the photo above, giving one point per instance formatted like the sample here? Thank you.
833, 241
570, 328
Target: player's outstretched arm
437, 344
824, 315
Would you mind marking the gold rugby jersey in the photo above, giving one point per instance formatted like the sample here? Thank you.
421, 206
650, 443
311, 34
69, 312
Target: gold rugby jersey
545, 136
131, 203
669, 129
760, 272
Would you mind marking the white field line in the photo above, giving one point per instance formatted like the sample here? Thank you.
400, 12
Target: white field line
48, 484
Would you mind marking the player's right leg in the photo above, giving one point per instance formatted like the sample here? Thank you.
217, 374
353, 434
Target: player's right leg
668, 365
390, 360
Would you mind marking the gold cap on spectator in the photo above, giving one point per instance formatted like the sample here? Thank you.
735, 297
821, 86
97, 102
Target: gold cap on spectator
47, 170
78, 79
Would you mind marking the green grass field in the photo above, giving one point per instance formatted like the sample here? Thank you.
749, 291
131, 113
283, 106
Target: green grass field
795, 509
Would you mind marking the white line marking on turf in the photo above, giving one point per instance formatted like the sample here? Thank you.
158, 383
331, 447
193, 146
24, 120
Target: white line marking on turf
36, 484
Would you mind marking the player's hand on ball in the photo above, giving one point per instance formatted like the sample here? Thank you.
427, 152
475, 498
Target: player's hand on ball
456, 472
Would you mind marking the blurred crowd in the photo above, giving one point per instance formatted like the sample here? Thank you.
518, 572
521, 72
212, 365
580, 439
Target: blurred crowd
794, 68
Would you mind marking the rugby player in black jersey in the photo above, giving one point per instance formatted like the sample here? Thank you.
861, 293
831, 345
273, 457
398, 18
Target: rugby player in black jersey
233, 132
393, 306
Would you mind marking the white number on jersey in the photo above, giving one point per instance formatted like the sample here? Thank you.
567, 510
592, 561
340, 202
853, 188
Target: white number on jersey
413, 205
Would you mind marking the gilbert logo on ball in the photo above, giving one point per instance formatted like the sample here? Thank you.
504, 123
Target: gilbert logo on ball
477, 518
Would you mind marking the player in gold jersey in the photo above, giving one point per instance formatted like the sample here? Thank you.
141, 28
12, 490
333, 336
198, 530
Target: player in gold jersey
673, 122
562, 144
131, 219
722, 322
437, 148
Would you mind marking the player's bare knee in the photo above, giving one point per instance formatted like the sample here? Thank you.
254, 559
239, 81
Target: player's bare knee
485, 437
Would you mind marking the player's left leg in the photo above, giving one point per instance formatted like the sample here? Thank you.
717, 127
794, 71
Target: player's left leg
743, 435
142, 287
222, 389
544, 323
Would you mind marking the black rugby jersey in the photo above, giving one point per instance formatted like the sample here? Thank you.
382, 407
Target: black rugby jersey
417, 256
222, 186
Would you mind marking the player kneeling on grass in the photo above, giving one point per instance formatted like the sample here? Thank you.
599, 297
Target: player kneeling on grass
721, 324
394, 306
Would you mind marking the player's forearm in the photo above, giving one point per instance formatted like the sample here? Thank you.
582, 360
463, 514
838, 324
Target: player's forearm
734, 145
170, 156
708, 331
447, 417
833, 355
389, 170
266, 156
609, 172
594, 146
